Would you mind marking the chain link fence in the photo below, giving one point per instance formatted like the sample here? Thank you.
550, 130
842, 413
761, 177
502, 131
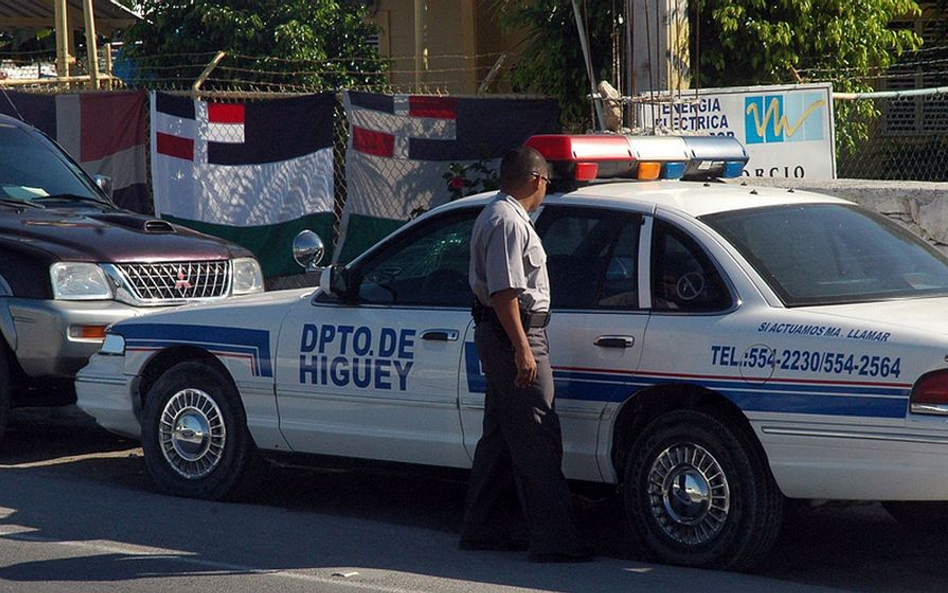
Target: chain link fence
908, 141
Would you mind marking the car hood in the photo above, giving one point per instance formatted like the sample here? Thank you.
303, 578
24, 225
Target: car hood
118, 236
929, 316
263, 309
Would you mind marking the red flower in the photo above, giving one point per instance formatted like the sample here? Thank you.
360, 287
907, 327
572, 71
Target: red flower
456, 183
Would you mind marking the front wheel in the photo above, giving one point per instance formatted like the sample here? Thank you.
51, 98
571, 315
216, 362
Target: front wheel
195, 436
699, 493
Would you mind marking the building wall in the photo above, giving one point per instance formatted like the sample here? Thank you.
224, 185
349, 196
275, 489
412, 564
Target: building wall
451, 47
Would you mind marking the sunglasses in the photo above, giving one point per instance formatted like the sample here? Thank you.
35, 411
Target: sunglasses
543, 177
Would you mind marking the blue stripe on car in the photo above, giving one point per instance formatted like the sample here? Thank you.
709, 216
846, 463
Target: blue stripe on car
253, 343
833, 398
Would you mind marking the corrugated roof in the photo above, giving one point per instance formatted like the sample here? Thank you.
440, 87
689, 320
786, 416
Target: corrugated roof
36, 14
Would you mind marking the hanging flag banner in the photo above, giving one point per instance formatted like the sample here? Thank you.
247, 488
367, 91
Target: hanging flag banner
788, 130
254, 173
106, 133
400, 147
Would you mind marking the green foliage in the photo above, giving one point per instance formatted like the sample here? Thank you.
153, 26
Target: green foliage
552, 61
312, 43
749, 42
735, 43
464, 180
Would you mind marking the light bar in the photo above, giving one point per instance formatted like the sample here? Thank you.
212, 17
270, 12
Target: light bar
714, 156
583, 158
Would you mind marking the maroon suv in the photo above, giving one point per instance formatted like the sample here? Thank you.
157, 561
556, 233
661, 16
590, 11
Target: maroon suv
71, 263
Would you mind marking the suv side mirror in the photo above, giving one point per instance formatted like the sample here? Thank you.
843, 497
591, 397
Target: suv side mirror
334, 281
308, 250
105, 184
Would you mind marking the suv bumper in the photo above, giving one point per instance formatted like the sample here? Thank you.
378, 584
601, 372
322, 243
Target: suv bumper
41, 338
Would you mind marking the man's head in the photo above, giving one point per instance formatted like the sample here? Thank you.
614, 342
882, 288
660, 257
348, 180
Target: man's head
524, 175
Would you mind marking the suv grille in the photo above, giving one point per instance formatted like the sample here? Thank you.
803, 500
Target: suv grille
177, 281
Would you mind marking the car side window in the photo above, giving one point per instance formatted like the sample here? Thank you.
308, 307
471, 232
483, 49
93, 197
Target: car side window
591, 257
683, 276
427, 266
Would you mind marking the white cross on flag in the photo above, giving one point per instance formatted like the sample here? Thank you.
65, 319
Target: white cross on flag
401, 145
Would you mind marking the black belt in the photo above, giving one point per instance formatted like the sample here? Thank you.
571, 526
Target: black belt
528, 319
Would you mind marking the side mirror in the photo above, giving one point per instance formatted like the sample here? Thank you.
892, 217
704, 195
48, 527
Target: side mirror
105, 184
308, 250
334, 281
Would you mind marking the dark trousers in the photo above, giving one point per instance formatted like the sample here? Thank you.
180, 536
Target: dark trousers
520, 453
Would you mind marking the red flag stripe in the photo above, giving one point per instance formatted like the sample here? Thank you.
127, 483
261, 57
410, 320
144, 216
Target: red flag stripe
110, 122
225, 113
437, 107
175, 146
372, 142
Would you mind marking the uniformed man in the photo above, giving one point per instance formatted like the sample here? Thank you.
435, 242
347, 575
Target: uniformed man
521, 449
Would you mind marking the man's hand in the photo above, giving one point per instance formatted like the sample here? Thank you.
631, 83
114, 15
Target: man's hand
526, 367
507, 308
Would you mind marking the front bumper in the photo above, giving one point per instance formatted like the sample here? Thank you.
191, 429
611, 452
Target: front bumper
106, 393
40, 332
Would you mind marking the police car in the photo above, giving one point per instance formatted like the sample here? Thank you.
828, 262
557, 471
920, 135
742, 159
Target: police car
717, 349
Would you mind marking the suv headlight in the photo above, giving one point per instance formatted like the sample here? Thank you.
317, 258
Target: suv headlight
247, 276
74, 281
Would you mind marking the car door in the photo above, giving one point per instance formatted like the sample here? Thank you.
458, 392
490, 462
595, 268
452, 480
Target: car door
595, 333
376, 376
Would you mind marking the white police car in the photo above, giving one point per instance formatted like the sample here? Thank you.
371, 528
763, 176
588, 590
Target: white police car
716, 349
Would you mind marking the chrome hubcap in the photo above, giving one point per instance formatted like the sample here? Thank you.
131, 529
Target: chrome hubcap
191, 433
688, 494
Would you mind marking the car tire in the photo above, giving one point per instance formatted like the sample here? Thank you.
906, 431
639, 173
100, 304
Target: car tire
923, 515
195, 436
699, 493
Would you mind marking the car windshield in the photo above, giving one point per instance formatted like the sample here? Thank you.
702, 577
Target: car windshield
30, 169
833, 253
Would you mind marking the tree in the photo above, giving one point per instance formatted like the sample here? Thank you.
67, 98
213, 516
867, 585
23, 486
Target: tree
552, 62
734, 43
270, 44
743, 42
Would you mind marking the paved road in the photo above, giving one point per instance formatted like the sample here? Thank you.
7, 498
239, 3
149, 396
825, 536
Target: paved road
78, 513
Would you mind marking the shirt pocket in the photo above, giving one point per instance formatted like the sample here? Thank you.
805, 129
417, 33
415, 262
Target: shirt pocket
536, 256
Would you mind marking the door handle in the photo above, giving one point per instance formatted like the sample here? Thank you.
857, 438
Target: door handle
440, 335
614, 341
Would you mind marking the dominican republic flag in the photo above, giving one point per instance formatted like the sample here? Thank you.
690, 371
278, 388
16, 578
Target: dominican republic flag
401, 145
106, 133
254, 173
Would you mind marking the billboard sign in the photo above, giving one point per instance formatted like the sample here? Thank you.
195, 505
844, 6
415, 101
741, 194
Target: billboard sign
788, 130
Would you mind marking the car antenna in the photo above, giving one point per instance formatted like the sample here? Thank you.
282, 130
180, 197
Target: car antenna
13, 105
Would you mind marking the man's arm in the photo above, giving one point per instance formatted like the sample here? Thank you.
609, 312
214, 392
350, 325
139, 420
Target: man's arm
507, 308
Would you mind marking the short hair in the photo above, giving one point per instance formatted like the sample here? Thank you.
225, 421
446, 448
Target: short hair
518, 167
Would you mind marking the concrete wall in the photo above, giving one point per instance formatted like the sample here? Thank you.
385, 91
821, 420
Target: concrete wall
920, 206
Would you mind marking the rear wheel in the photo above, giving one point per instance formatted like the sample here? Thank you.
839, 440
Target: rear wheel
195, 436
698, 493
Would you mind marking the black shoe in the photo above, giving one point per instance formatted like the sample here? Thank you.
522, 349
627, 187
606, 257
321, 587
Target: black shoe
504, 545
581, 555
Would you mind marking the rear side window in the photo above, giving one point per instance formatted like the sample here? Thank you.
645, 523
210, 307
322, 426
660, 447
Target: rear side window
591, 257
833, 253
683, 277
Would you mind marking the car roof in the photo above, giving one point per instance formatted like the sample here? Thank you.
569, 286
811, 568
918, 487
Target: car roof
693, 198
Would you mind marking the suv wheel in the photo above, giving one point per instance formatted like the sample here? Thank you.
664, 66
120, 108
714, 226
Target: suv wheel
5, 387
195, 436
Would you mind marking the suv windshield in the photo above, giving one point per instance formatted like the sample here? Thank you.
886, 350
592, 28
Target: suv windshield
832, 253
31, 168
